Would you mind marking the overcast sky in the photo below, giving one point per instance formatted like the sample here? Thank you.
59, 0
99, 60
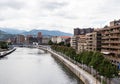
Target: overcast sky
61, 15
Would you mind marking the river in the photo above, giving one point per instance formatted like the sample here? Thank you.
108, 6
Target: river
34, 66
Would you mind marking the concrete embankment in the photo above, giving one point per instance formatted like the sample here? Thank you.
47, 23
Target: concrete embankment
80, 73
3, 54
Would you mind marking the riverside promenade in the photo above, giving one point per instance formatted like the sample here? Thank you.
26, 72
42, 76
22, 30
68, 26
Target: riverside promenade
4, 53
79, 72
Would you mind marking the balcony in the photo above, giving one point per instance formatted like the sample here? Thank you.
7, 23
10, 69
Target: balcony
114, 36
105, 42
115, 42
114, 47
105, 37
105, 46
116, 31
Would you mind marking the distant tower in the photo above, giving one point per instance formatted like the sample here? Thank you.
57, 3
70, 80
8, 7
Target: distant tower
39, 38
39, 35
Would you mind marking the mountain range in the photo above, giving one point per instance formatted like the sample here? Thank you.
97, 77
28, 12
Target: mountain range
11, 31
5, 36
35, 31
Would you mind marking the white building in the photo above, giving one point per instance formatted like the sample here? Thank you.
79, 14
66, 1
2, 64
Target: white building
54, 39
62, 38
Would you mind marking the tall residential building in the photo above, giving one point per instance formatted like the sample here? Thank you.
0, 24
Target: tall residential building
76, 31
93, 41
81, 46
39, 35
39, 38
73, 42
111, 41
83, 31
20, 39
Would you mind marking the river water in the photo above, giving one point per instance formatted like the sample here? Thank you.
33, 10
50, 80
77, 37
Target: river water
34, 66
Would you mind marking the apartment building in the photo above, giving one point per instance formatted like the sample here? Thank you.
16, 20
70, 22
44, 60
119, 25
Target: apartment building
81, 44
111, 41
73, 42
93, 40
20, 39
82, 31
78, 40
39, 38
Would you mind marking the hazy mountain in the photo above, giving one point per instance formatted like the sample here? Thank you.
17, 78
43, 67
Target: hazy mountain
34, 32
4, 35
47, 32
12, 31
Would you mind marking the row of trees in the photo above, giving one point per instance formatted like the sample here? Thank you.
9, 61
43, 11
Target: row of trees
3, 45
95, 59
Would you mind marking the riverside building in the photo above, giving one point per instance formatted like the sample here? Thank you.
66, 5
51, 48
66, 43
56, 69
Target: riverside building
111, 41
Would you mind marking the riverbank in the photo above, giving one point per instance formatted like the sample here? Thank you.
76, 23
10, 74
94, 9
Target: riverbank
4, 53
79, 72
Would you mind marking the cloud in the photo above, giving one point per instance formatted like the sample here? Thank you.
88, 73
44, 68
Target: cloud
57, 14
11, 4
52, 5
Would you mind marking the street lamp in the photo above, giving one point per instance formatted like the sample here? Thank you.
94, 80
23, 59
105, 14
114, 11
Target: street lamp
82, 64
91, 69
74, 60
101, 79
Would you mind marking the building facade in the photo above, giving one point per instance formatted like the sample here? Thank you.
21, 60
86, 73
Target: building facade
73, 42
39, 38
83, 31
93, 41
111, 41
20, 39
81, 44
54, 39
63, 39
45, 39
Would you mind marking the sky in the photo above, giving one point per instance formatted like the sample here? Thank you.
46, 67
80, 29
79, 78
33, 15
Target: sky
63, 15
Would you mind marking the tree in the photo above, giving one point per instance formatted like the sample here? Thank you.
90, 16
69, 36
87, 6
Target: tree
95, 59
50, 42
3, 45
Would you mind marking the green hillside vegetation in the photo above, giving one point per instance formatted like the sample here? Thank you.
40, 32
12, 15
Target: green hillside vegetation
95, 59
3, 45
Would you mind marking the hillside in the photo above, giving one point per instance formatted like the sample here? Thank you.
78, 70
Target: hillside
47, 32
34, 32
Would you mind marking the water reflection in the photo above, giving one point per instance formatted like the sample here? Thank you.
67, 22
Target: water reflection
29, 66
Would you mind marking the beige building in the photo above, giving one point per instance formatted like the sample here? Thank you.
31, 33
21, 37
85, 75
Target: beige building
73, 42
20, 39
93, 41
81, 44
111, 41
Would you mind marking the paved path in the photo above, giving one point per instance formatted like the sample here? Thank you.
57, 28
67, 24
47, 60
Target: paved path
86, 75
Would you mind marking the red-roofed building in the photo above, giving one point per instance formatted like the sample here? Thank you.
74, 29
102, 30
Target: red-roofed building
65, 39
